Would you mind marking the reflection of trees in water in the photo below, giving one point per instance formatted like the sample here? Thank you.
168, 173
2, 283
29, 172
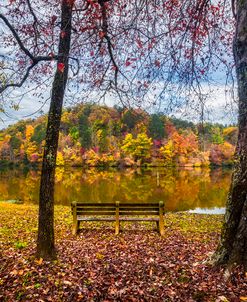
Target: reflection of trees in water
181, 189
31, 186
185, 187
19, 184
4, 192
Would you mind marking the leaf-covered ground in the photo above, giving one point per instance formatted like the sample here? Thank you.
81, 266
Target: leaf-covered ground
96, 265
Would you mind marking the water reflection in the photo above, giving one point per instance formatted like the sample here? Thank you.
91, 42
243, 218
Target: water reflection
181, 189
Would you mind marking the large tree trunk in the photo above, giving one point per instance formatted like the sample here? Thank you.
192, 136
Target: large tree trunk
233, 245
45, 243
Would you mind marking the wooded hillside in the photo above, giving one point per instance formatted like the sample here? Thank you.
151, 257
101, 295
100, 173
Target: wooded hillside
96, 135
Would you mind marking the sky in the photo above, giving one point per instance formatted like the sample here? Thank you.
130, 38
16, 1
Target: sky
219, 107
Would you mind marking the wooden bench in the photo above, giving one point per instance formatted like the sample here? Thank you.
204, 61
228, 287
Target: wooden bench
118, 212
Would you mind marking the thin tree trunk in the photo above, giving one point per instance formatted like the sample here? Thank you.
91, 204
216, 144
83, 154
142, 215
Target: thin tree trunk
233, 245
45, 243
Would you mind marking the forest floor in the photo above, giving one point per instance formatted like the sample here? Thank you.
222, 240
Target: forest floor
96, 265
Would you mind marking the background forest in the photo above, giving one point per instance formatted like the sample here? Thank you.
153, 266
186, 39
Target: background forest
94, 135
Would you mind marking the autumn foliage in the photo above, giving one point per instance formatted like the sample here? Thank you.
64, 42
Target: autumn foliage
95, 135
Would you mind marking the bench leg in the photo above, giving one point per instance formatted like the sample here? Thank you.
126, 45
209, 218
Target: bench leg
161, 226
161, 218
117, 226
157, 225
75, 227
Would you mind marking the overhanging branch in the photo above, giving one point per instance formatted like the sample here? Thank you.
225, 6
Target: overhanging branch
107, 38
16, 36
34, 59
21, 82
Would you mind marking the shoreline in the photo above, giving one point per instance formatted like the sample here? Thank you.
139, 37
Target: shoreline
119, 167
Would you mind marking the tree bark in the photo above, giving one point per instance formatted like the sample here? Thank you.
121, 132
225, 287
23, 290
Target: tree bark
45, 242
233, 244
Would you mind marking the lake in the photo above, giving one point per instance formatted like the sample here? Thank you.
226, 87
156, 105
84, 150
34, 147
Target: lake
182, 189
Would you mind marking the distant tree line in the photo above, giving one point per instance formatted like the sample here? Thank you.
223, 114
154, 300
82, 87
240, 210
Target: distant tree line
96, 135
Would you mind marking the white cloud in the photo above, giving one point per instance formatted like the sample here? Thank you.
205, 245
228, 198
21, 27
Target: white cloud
219, 107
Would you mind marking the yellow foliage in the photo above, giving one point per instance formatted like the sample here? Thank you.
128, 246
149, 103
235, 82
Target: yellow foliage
99, 134
31, 149
60, 159
167, 152
7, 138
229, 130
29, 132
19, 135
65, 117
140, 128
228, 151
139, 148
128, 142
91, 158
59, 174
75, 160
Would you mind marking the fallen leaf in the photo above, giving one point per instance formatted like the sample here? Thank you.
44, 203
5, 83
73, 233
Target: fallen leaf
39, 261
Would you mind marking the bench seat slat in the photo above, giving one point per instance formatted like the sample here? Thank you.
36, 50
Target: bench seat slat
135, 212
141, 208
95, 204
91, 209
139, 219
93, 213
100, 208
129, 213
132, 204
127, 204
137, 205
83, 218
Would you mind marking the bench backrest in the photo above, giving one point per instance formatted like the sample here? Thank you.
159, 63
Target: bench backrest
128, 209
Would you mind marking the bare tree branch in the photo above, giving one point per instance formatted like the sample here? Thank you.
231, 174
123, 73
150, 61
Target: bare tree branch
35, 22
108, 40
16, 36
22, 81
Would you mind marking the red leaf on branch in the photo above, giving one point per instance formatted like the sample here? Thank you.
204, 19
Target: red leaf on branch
53, 19
51, 54
70, 2
62, 34
145, 84
157, 63
139, 43
60, 67
101, 34
21, 62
